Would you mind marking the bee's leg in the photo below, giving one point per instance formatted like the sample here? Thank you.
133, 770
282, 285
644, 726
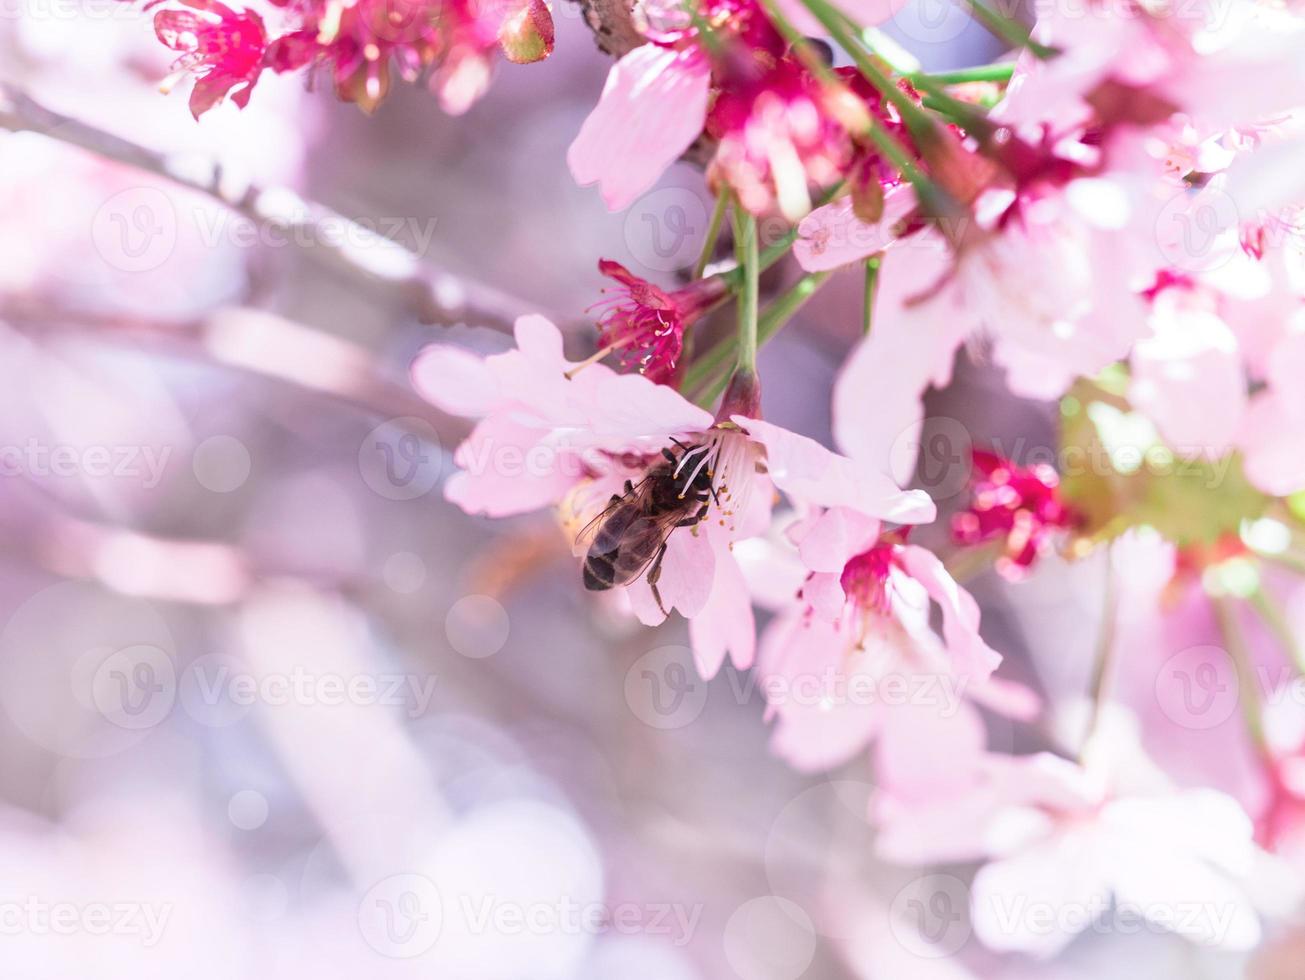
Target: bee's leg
655, 574
695, 519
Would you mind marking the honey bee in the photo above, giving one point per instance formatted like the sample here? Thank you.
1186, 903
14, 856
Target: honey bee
629, 536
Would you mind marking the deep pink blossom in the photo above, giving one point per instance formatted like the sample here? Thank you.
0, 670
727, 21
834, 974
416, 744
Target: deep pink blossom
645, 324
1020, 506
223, 48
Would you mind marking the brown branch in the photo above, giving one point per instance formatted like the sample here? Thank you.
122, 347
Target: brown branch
432, 294
612, 22
254, 342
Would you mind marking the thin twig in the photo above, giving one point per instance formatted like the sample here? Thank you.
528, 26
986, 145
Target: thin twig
432, 294
1104, 661
253, 342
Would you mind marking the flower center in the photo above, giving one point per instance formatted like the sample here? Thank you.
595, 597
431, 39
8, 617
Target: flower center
865, 580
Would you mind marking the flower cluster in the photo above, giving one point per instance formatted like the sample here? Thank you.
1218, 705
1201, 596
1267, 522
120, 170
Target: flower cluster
1113, 220
358, 46
1062, 217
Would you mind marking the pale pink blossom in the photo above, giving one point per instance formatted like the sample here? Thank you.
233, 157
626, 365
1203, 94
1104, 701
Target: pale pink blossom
1047, 277
832, 236
854, 660
1188, 377
1272, 436
1064, 840
652, 108
1220, 64
552, 431
540, 430
700, 575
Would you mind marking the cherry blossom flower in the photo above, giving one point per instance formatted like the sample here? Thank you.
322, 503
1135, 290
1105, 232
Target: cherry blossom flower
843, 662
776, 132
553, 431
358, 44
541, 430
1065, 840
856, 660
1271, 436
646, 324
221, 47
651, 110
1018, 505
1219, 64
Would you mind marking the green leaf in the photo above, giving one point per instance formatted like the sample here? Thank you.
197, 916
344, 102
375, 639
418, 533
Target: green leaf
1118, 474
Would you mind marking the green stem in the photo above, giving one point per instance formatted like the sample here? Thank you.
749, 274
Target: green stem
773, 253
837, 23
871, 287
713, 234
705, 33
1012, 32
699, 376
745, 251
885, 142
966, 563
969, 116
1238, 652
999, 72
1103, 663
1273, 618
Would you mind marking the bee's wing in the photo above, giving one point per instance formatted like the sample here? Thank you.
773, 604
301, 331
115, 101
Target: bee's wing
640, 543
586, 537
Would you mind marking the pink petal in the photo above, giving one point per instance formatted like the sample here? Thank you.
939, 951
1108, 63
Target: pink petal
1008, 698
484, 486
1268, 180
725, 626
823, 592
688, 571
1064, 871
628, 410
455, 381
539, 339
1032, 375
807, 471
796, 653
1189, 379
653, 107
1273, 445
833, 236
972, 656
833, 538
926, 751
878, 411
